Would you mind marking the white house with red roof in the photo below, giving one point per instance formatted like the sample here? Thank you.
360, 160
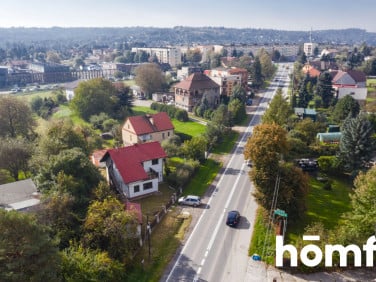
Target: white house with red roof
146, 128
135, 170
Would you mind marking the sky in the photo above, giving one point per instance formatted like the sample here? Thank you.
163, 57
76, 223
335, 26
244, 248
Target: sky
294, 15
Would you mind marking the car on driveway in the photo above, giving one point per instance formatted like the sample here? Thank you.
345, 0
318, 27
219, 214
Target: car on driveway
233, 218
190, 200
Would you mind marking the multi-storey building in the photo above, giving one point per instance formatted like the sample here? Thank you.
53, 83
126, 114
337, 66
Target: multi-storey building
166, 55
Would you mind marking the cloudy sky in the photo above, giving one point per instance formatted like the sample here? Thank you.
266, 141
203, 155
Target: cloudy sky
275, 14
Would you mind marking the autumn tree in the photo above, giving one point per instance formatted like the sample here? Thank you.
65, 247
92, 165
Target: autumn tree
27, 253
279, 110
194, 55
150, 78
15, 118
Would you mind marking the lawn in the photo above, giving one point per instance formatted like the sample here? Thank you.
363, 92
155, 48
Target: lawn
325, 206
190, 128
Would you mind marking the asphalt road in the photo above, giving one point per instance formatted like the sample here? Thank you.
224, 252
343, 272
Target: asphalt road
214, 251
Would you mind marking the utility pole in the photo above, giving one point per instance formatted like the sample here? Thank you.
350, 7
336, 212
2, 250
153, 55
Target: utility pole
148, 231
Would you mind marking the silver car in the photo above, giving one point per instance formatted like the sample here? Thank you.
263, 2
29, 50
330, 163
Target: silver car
190, 200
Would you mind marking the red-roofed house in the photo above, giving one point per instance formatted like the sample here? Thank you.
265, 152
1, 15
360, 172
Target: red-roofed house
146, 128
190, 91
135, 170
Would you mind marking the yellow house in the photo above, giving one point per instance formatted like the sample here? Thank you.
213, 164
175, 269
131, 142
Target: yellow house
146, 128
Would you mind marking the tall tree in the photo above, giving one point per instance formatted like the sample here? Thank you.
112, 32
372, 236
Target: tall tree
256, 73
278, 111
304, 95
27, 253
324, 89
345, 107
267, 66
93, 97
357, 143
150, 78
359, 223
15, 118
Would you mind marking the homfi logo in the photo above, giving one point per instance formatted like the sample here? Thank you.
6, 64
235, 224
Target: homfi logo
316, 255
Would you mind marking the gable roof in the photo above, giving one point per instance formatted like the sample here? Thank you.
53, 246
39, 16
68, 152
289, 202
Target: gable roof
358, 76
129, 160
19, 195
196, 80
151, 123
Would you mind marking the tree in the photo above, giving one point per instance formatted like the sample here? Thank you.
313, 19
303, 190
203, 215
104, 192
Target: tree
324, 89
150, 78
304, 94
308, 129
256, 73
267, 66
237, 111
194, 55
195, 148
359, 223
345, 107
109, 227
14, 156
61, 135
53, 57
93, 97
80, 264
265, 148
279, 110
27, 253
239, 93
357, 143
15, 118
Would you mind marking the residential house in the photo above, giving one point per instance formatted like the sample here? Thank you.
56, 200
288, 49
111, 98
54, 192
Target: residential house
192, 90
20, 195
311, 71
136, 170
350, 78
227, 79
145, 128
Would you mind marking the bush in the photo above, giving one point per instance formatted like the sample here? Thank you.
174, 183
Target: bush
181, 115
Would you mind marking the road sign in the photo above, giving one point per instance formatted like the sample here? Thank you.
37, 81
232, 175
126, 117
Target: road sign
280, 213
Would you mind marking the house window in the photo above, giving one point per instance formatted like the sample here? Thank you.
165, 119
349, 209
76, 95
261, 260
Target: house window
155, 161
168, 134
136, 189
148, 185
163, 135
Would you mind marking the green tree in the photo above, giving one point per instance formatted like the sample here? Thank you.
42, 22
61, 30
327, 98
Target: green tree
357, 143
150, 78
237, 111
239, 93
308, 129
345, 107
256, 73
93, 97
15, 118
324, 89
61, 135
80, 264
27, 253
194, 148
304, 95
14, 156
267, 67
279, 110
359, 223
109, 227
194, 55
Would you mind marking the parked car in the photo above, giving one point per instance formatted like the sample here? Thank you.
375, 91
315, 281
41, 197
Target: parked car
190, 200
233, 218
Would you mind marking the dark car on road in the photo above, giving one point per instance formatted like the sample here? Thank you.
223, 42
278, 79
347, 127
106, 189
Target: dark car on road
233, 218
